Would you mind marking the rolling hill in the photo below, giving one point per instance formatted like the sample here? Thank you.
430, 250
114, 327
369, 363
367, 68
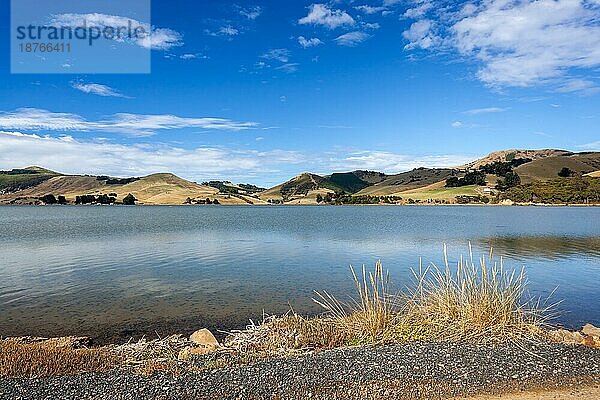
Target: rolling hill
301, 186
508, 155
161, 188
549, 167
28, 185
415, 179
423, 184
20, 179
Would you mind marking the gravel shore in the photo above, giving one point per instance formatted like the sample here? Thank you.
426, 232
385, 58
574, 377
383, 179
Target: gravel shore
412, 371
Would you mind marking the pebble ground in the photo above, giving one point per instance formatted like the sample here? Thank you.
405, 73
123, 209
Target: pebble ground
411, 371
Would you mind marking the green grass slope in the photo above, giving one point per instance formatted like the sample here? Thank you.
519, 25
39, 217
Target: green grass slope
417, 178
19, 179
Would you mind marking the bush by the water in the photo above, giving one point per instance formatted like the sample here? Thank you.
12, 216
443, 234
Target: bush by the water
129, 200
100, 199
575, 190
339, 198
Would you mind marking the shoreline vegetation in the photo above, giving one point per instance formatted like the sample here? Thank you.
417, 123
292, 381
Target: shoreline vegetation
477, 306
510, 177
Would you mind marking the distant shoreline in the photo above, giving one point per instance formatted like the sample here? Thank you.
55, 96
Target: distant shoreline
312, 205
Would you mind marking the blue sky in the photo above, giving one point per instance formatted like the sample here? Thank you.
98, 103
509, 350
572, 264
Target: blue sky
261, 91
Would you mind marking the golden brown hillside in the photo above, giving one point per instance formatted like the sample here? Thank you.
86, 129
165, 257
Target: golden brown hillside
548, 168
507, 155
153, 189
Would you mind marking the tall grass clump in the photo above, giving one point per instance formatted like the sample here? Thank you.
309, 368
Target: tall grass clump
478, 302
369, 316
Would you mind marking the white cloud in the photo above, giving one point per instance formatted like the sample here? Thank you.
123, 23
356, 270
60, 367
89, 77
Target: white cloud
228, 31
97, 89
321, 14
155, 38
288, 67
309, 42
487, 110
393, 163
519, 42
420, 34
419, 10
32, 119
281, 55
351, 39
69, 155
251, 13
594, 146
457, 124
524, 43
190, 56
73, 156
578, 85
370, 9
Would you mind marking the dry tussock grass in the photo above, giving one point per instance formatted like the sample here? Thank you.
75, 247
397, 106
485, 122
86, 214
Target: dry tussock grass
47, 359
475, 302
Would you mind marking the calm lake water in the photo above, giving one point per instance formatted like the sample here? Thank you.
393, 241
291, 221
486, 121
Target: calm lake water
104, 271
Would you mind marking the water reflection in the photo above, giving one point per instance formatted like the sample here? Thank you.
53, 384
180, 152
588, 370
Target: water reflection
86, 269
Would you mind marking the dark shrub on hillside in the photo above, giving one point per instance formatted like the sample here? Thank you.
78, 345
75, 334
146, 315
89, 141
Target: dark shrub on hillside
565, 172
511, 179
470, 178
499, 168
49, 199
129, 200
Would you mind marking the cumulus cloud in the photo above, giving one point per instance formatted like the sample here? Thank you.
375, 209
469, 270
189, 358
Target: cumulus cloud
392, 163
420, 34
352, 39
309, 42
370, 9
74, 156
155, 38
69, 155
33, 119
421, 7
457, 124
321, 14
97, 89
518, 43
